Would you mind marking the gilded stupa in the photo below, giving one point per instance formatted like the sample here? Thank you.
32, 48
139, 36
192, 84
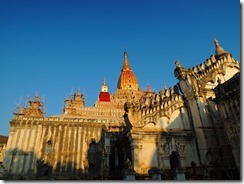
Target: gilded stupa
127, 78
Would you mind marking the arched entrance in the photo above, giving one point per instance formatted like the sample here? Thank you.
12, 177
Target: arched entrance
120, 154
175, 160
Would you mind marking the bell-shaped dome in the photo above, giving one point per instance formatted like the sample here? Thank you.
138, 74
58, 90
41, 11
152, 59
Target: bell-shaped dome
127, 79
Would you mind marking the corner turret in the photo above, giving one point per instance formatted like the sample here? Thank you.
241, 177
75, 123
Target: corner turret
34, 108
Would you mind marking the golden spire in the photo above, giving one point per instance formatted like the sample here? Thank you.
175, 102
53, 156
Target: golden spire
126, 65
218, 49
127, 79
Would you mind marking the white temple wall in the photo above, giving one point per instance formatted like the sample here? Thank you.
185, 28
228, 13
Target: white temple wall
162, 122
149, 155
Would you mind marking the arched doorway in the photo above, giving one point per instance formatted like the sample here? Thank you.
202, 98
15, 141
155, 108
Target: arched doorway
175, 160
94, 160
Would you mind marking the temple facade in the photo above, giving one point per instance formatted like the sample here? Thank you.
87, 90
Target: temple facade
190, 131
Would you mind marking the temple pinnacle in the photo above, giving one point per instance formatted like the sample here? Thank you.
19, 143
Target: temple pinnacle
126, 63
219, 51
36, 97
127, 79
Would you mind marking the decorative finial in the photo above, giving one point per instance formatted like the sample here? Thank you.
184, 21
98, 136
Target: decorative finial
177, 63
78, 92
125, 55
104, 81
215, 41
219, 51
148, 88
36, 97
165, 86
126, 64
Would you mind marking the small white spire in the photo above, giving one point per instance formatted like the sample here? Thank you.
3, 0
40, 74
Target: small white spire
104, 87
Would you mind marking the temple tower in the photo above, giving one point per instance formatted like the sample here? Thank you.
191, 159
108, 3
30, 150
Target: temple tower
127, 78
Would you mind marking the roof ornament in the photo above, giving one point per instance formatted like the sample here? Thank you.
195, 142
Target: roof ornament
165, 86
178, 64
219, 51
78, 92
126, 63
180, 71
104, 81
36, 97
148, 88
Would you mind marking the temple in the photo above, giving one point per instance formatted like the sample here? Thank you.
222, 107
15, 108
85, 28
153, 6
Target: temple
189, 131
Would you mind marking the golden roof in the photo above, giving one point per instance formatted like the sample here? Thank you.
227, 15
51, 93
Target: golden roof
127, 79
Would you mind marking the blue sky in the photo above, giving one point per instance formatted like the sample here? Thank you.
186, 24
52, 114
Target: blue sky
54, 46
